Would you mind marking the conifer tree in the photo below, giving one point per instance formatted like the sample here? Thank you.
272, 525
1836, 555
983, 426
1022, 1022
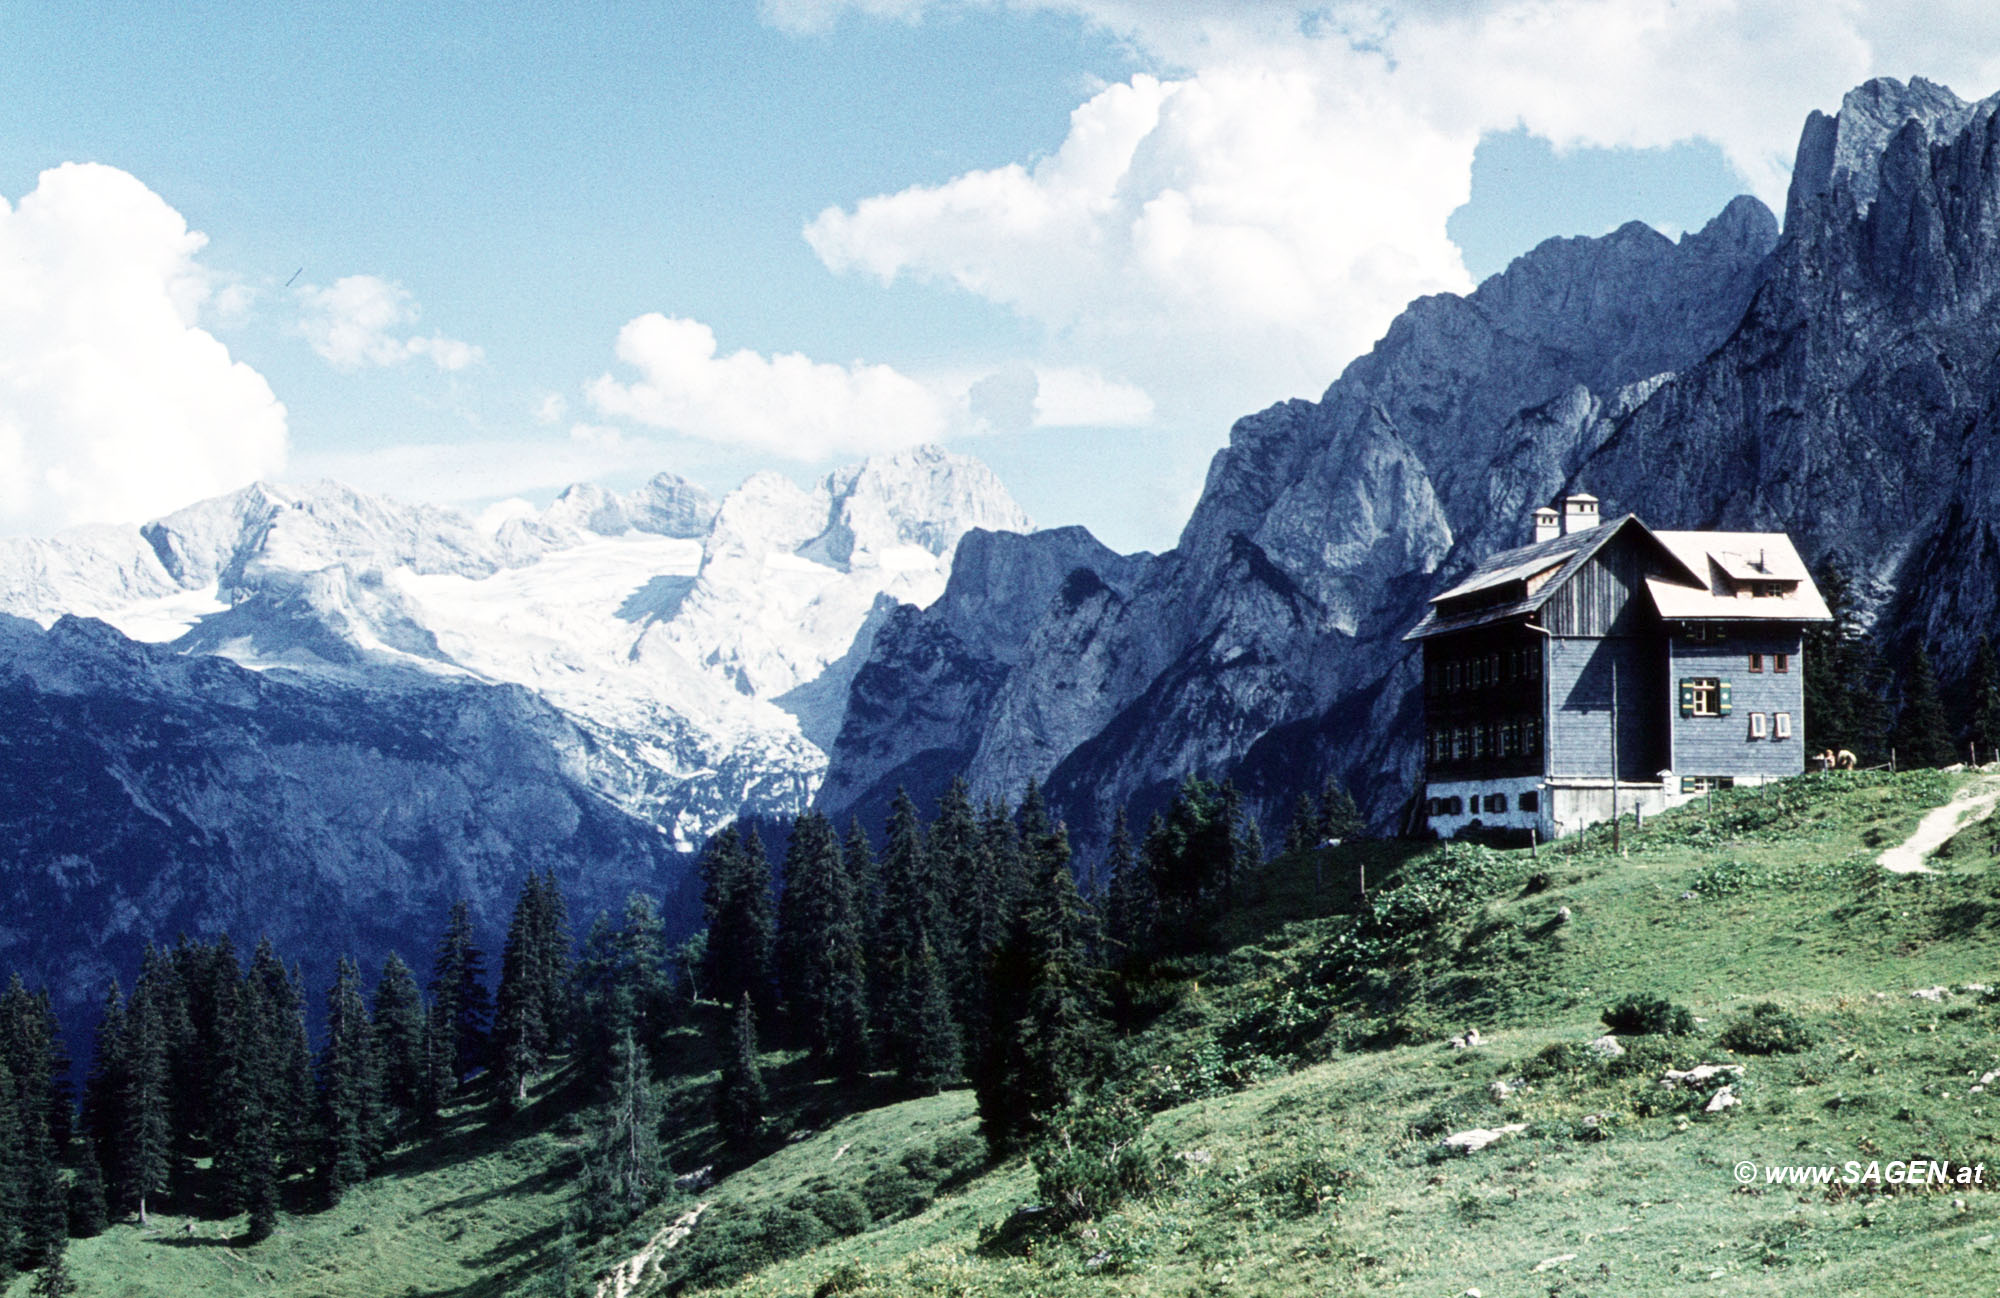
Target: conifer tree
398, 1016
253, 1117
924, 1042
736, 899
739, 1092
1339, 819
1923, 735
52, 1279
820, 964
88, 1211
10, 1180
622, 983
350, 1085
1047, 1024
458, 994
970, 915
913, 1020
1302, 835
105, 1088
1983, 732
622, 1175
35, 1171
534, 971
146, 1137
1129, 901
1191, 852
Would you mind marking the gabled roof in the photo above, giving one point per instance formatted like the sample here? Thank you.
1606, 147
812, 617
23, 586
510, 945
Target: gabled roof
1698, 581
1732, 564
1535, 571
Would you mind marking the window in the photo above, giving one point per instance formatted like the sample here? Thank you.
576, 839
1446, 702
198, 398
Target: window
1783, 727
1454, 807
1766, 589
1781, 663
1756, 662
1496, 803
1758, 725
1531, 801
1704, 696
1691, 784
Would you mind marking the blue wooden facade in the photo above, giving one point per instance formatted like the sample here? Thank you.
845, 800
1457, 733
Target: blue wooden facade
1611, 664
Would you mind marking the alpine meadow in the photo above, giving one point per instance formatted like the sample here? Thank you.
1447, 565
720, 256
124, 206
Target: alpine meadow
544, 751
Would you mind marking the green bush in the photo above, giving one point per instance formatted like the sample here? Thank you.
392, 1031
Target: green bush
842, 1211
1562, 1059
1768, 1029
1094, 1158
1644, 1015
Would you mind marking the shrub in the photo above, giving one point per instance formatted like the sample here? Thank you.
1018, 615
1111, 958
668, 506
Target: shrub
1644, 1015
1093, 1158
1768, 1029
1562, 1059
843, 1211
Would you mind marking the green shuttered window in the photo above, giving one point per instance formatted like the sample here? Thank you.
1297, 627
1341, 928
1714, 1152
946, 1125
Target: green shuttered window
1704, 696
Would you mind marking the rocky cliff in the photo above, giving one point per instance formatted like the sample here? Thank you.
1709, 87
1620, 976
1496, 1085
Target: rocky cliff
1836, 382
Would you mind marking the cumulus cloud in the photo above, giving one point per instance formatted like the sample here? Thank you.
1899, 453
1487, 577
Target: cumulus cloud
115, 405
785, 404
1256, 210
355, 323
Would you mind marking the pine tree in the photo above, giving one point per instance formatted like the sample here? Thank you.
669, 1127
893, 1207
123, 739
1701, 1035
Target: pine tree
88, 1211
820, 963
1984, 710
1047, 1023
739, 1092
52, 1279
252, 1115
913, 1019
105, 1088
1191, 852
42, 1208
923, 1037
736, 899
534, 973
1922, 736
350, 1085
621, 983
399, 1034
146, 1137
1129, 903
1339, 819
459, 996
1302, 835
622, 1175
972, 914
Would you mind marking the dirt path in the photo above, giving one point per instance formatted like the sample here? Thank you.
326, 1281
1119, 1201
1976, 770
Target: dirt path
1970, 805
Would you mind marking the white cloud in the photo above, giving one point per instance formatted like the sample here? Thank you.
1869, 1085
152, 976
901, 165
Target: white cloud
551, 409
114, 405
355, 323
785, 404
1236, 227
1084, 398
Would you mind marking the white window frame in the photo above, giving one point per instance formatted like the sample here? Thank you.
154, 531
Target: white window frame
1759, 726
1781, 725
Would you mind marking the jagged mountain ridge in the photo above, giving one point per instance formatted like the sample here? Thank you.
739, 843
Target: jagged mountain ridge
706, 647
1834, 382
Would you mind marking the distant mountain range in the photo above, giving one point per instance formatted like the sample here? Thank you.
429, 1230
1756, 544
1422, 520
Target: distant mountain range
323, 714
603, 684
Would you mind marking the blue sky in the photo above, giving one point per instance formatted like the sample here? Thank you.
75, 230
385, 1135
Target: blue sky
476, 251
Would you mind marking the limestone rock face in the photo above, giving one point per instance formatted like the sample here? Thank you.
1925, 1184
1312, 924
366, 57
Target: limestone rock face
1835, 381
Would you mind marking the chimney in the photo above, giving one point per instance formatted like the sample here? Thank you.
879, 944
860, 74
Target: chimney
1548, 524
1579, 513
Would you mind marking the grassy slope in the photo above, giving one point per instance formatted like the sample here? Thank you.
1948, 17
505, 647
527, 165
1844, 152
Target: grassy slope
1328, 1179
